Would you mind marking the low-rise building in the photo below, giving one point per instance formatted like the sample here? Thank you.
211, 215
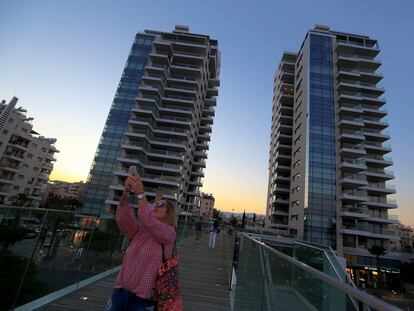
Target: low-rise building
206, 205
65, 189
26, 158
406, 237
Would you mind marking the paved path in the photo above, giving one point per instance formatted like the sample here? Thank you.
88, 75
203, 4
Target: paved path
204, 274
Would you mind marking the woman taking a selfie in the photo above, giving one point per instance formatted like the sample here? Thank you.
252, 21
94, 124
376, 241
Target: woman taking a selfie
154, 230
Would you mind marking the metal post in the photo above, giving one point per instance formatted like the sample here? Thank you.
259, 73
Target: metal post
29, 262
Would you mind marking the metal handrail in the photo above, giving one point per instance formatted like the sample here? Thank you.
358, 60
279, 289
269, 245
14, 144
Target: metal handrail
363, 297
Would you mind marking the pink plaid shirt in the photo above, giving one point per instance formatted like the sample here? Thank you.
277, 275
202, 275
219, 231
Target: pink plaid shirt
144, 253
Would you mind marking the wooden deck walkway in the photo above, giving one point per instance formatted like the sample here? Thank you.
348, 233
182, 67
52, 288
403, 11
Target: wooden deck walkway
204, 274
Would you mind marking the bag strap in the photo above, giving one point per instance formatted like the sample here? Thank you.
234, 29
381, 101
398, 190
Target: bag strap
163, 255
173, 253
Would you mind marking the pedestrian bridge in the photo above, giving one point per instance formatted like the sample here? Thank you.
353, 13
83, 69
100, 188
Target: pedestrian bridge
244, 272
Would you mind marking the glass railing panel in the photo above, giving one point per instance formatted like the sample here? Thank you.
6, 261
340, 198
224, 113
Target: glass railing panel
47, 250
249, 291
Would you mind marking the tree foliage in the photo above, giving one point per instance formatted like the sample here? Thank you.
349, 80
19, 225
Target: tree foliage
12, 268
10, 235
102, 241
407, 272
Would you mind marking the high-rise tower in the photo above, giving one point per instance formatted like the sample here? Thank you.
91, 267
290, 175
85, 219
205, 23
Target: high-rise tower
161, 119
328, 177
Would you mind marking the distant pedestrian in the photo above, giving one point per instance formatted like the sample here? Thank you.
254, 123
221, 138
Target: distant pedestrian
198, 230
213, 234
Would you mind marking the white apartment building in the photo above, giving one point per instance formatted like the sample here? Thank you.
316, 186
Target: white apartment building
26, 158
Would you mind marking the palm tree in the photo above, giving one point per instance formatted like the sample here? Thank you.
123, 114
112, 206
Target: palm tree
57, 220
378, 251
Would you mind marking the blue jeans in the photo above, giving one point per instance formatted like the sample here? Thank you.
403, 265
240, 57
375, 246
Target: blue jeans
123, 300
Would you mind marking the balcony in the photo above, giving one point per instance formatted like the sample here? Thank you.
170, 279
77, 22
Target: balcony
378, 161
375, 123
360, 61
14, 156
374, 112
186, 69
364, 230
280, 189
382, 203
18, 145
352, 151
4, 180
350, 109
348, 135
379, 174
347, 122
10, 168
349, 47
353, 86
378, 189
354, 196
360, 75
375, 135
352, 165
281, 168
377, 148
358, 97
354, 180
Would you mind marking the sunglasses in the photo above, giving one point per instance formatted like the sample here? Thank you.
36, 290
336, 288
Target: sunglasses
160, 204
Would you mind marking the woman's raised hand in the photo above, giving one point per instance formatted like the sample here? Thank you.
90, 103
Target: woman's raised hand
135, 183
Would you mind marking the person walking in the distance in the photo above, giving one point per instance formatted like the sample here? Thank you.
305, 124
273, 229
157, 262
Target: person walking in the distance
136, 281
198, 230
213, 234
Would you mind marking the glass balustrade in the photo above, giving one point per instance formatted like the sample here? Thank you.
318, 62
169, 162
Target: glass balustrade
292, 276
46, 250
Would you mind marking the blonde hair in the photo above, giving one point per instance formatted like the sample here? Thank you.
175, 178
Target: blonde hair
171, 214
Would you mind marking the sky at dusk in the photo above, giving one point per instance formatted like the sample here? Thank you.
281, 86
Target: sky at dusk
64, 59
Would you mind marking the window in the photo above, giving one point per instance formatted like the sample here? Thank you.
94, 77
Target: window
5, 132
295, 203
20, 177
296, 176
10, 121
297, 139
16, 188
294, 217
24, 130
25, 166
35, 169
31, 180
296, 164
34, 145
298, 106
40, 159
29, 155
297, 118
296, 151
298, 128
296, 189
44, 149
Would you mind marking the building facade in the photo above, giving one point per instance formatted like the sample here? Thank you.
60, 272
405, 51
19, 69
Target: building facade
26, 158
406, 234
206, 205
64, 189
328, 176
161, 120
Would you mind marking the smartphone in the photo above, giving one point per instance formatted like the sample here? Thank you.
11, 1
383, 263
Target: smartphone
132, 170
